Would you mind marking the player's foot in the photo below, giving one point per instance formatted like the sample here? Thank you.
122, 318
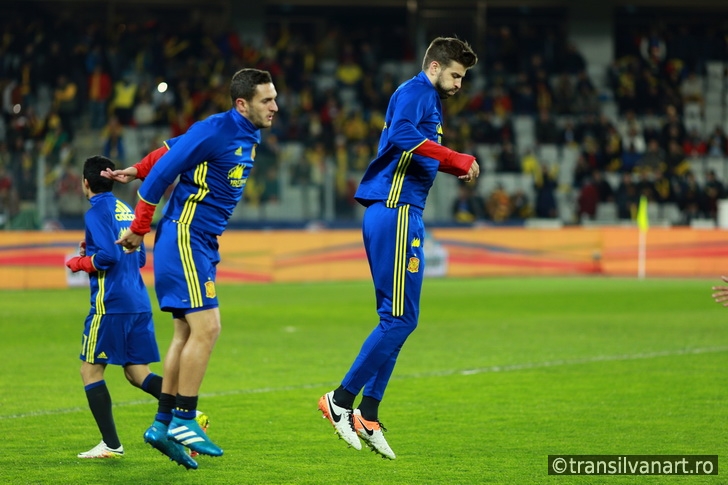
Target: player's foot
340, 418
156, 436
204, 423
188, 432
103, 451
372, 434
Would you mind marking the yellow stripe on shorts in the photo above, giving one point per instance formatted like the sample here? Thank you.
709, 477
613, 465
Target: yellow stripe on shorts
400, 261
188, 265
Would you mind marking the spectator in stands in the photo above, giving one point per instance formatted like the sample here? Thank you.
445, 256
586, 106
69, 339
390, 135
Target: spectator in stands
113, 137
507, 161
604, 188
626, 197
582, 171
66, 103
694, 145
99, 92
672, 128
122, 103
547, 132
9, 203
653, 159
349, 73
585, 101
587, 201
564, 95
675, 160
714, 191
544, 184
690, 197
483, 130
520, 205
692, 90
498, 205
568, 135
717, 142
573, 61
468, 206
662, 187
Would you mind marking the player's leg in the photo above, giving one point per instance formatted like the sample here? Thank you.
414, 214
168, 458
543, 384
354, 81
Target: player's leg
99, 402
393, 241
398, 318
184, 429
156, 434
141, 348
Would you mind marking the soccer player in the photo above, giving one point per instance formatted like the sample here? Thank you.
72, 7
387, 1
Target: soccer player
213, 160
393, 190
116, 332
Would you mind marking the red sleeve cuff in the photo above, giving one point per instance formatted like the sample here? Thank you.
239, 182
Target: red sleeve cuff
143, 214
451, 161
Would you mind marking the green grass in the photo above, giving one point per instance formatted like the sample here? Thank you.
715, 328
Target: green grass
501, 373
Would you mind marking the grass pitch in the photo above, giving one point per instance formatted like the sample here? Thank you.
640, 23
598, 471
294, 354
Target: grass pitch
500, 373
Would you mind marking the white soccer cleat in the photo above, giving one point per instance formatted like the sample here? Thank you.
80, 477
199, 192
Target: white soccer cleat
340, 418
103, 451
372, 432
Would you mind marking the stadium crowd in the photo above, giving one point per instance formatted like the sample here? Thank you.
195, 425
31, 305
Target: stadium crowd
60, 77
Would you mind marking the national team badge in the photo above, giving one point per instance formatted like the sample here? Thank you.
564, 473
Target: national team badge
210, 289
414, 265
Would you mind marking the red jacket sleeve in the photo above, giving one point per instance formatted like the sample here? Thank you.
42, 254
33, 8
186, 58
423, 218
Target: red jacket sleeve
451, 162
145, 164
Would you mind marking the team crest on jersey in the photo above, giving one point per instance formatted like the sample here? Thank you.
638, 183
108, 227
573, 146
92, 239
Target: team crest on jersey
235, 176
239, 152
414, 265
416, 242
210, 289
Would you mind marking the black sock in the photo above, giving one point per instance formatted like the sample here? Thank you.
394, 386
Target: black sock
165, 407
152, 385
344, 398
99, 401
186, 407
369, 408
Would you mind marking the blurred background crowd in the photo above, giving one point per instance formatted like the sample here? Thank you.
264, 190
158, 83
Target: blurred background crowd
554, 139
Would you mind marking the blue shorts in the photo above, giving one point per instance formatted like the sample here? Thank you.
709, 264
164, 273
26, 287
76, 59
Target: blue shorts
185, 266
119, 339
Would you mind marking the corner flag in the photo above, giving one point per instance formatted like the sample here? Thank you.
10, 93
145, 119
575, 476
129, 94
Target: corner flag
643, 221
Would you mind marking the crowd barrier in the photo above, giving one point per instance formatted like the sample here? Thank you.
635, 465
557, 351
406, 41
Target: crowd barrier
36, 259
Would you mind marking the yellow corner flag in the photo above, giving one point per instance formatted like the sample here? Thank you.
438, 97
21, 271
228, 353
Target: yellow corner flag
643, 221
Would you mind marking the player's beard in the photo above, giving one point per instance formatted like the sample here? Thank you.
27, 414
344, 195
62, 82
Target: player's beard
442, 92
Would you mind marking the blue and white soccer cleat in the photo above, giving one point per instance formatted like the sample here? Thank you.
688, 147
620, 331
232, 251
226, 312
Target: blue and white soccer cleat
156, 436
187, 432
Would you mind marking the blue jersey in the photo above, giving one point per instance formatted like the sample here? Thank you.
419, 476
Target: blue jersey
117, 286
213, 161
397, 176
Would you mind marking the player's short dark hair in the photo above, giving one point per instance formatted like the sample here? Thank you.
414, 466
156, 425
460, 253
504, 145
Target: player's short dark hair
245, 81
92, 168
445, 50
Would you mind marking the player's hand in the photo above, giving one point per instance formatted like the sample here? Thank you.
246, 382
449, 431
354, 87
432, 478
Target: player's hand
82, 248
472, 174
124, 176
130, 241
720, 294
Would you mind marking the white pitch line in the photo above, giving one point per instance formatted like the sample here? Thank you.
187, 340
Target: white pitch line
419, 375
